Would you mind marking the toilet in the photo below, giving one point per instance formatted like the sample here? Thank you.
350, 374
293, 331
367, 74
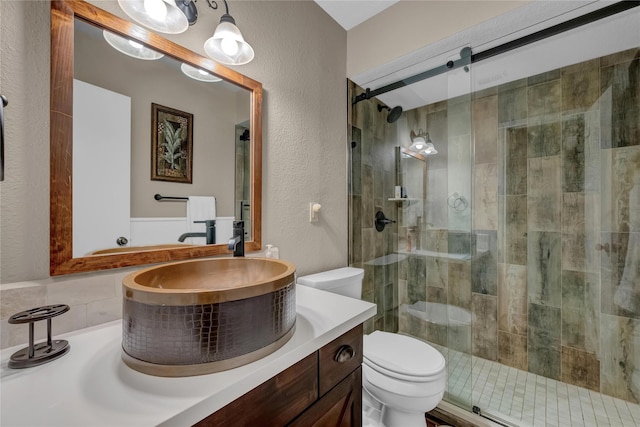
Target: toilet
402, 377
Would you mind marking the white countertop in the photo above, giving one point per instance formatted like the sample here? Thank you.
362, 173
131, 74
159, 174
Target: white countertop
91, 386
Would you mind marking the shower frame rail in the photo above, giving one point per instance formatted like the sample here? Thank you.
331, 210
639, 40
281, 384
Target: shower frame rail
467, 57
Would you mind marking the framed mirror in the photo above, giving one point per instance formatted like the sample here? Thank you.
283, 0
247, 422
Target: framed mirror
216, 155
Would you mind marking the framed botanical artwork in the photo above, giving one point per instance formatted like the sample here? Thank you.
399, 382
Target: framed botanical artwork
171, 144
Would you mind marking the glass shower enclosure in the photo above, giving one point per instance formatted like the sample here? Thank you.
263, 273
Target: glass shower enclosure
516, 246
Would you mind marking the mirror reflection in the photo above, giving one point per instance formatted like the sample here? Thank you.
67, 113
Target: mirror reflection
182, 134
182, 145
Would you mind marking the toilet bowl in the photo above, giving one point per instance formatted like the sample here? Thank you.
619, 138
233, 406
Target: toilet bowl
402, 377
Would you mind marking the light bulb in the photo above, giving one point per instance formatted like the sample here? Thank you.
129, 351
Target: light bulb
156, 9
229, 46
202, 72
419, 146
135, 44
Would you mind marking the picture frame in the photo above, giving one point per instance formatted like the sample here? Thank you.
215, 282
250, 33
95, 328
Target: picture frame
171, 144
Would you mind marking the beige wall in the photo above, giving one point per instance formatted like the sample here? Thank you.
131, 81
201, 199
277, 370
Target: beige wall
301, 61
409, 25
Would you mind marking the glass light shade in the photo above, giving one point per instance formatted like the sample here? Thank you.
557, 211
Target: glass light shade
227, 46
198, 74
421, 143
162, 16
130, 48
429, 149
417, 144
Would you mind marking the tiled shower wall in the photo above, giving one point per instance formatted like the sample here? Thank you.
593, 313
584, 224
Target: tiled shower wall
372, 178
555, 173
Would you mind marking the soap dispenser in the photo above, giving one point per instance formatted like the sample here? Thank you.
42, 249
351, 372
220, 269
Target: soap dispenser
272, 252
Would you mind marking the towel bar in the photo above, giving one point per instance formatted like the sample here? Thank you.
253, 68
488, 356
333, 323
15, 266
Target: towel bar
159, 197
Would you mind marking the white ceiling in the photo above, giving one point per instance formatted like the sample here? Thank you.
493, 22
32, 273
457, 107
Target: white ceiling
350, 13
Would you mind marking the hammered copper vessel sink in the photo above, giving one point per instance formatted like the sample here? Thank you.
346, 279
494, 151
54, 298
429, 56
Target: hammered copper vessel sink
207, 315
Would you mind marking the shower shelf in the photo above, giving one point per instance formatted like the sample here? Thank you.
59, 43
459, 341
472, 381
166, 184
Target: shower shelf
402, 199
405, 200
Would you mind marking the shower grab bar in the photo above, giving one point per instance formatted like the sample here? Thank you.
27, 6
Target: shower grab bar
158, 197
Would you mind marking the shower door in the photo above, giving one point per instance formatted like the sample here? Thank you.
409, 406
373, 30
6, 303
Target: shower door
567, 177
435, 228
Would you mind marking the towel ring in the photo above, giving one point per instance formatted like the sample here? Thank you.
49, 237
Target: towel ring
457, 202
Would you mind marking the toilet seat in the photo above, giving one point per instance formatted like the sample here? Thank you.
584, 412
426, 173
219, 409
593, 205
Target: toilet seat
402, 357
371, 378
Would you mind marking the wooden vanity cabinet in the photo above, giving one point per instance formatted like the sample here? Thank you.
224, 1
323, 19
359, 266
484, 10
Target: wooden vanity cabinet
323, 389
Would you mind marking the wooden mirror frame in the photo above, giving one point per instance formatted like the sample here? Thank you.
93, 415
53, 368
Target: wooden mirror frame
63, 14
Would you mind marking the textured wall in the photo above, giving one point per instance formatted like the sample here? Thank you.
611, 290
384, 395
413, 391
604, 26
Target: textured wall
300, 59
24, 79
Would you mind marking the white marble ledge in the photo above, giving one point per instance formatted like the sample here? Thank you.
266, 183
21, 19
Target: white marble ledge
420, 252
91, 386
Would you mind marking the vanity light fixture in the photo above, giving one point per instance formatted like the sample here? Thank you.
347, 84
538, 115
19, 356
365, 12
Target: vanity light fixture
130, 47
421, 143
227, 46
162, 16
429, 149
198, 74
188, 7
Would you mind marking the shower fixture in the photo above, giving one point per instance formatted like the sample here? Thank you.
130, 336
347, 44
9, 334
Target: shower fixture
394, 113
421, 143
382, 221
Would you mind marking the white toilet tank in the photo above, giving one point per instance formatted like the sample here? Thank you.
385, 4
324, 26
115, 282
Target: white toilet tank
345, 281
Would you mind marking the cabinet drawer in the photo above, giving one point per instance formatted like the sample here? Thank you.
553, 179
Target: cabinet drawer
273, 403
342, 406
339, 358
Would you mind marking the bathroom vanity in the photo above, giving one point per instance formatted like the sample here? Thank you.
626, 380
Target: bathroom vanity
324, 388
299, 384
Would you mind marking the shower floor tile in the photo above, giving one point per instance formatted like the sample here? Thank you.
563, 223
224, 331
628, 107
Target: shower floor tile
529, 400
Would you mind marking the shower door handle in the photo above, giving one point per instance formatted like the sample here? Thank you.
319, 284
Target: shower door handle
3, 103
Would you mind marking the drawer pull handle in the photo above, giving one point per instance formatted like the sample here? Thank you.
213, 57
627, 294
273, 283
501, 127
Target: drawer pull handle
344, 354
